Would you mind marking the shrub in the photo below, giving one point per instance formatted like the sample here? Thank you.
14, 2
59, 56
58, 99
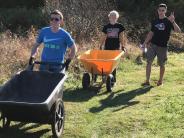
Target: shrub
19, 20
21, 3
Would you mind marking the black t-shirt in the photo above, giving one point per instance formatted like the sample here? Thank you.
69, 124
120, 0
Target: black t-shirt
162, 30
113, 31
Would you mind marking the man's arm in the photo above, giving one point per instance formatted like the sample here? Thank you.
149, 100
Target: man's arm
176, 27
172, 20
122, 41
102, 40
148, 38
71, 55
34, 49
73, 51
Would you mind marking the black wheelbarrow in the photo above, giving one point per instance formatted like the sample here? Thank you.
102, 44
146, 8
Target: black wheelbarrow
34, 96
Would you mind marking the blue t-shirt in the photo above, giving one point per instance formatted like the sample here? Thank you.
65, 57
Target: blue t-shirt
55, 44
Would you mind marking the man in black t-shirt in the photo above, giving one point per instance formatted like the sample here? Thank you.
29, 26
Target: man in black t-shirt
112, 32
113, 35
157, 40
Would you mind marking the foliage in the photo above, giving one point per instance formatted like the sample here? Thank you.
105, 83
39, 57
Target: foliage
21, 3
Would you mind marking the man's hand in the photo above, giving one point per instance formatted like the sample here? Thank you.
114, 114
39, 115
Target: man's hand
101, 47
123, 49
146, 44
171, 18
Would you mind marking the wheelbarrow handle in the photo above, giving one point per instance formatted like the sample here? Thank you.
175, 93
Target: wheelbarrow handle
48, 63
32, 62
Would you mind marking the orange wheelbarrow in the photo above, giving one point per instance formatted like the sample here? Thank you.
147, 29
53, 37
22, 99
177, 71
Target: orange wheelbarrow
100, 62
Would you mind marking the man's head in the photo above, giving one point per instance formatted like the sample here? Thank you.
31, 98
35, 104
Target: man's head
113, 16
56, 18
162, 9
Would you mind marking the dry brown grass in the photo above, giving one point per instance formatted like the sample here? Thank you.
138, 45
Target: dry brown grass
15, 51
177, 40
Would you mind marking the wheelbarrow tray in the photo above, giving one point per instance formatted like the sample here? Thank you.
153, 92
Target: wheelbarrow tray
30, 95
100, 61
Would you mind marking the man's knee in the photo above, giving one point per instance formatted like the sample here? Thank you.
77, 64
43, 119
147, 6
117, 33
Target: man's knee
162, 63
149, 63
162, 66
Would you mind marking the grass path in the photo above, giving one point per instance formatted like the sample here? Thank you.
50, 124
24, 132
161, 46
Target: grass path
131, 111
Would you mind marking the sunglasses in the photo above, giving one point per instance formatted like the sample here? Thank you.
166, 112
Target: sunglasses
161, 10
55, 19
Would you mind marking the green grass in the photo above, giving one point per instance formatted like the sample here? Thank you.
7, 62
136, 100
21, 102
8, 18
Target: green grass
131, 111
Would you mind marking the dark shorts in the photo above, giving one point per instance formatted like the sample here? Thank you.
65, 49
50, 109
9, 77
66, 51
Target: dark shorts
110, 48
160, 52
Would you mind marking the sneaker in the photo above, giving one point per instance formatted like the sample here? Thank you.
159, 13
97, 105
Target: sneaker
145, 84
159, 83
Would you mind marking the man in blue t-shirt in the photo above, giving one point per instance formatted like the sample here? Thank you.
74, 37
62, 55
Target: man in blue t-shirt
56, 41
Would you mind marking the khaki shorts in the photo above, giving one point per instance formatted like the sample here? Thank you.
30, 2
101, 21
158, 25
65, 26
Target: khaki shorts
160, 52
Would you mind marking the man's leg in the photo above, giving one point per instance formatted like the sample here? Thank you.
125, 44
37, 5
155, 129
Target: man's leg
162, 58
148, 71
162, 71
114, 75
150, 55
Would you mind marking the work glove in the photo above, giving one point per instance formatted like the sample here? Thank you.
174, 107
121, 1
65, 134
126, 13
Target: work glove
31, 60
66, 64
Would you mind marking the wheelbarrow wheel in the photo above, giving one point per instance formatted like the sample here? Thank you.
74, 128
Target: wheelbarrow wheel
85, 80
6, 122
58, 119
109, 83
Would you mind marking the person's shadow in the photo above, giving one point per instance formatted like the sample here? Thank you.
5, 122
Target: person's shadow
80, 94
120, 99
15, 131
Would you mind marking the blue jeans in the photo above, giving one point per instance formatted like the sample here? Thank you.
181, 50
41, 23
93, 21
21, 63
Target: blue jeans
51, 68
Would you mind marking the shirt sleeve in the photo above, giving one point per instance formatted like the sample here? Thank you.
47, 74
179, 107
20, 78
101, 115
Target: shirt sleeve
122, 28
69, 41
152, 26
40, 37
104, 30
